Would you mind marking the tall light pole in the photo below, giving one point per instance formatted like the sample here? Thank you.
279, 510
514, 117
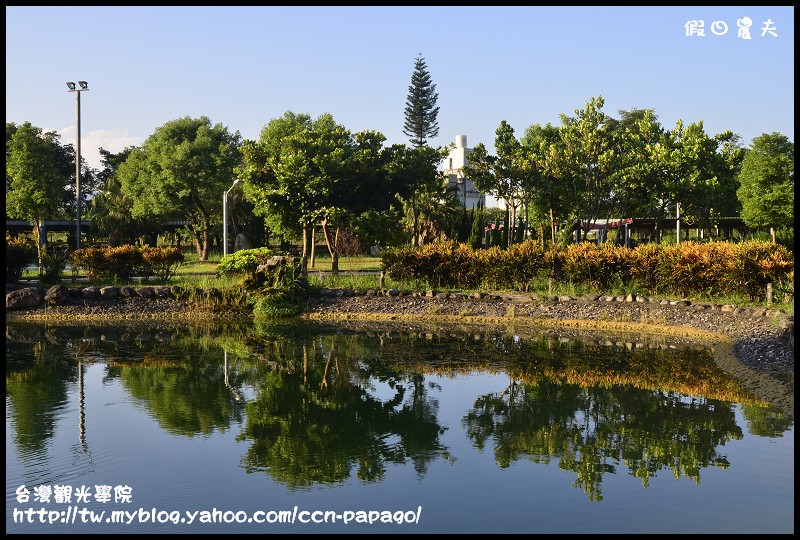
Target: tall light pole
72, 88
225, 216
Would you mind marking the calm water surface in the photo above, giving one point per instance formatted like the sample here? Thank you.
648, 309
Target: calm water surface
457, 430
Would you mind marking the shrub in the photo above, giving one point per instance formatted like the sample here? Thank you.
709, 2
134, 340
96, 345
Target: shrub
162, 261
20, 252
275, 305
244, 261
124, 262
92, 261
54, 261
754, 264
644, 267
399, 263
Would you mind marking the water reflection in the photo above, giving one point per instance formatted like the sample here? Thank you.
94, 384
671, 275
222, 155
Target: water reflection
187, 395
36, 387
320, 405
593, 431
315, 420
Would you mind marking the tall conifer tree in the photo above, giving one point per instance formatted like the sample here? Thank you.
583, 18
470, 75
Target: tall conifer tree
421, 110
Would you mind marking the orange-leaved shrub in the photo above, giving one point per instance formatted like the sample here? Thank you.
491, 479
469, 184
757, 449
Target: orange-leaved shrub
126, 261
688, 268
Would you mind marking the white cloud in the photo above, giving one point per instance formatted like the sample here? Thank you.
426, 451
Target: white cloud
91, 142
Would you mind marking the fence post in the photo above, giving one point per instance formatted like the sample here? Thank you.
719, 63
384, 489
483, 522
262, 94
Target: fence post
769, 294
382, 278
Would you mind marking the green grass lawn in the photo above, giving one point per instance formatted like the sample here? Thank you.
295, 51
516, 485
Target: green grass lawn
323, 263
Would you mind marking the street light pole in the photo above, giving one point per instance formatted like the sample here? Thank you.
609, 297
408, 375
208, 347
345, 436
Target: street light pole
225, 216
72, 88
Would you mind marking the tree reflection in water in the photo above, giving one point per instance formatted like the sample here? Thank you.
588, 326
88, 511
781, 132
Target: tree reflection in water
326, 403
314, 419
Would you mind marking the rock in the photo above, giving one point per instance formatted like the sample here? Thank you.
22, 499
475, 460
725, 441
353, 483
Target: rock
163, 292
242, 242
127, 292
110, 292
90, 292
57, 295
146, 292
25, 298
178, 291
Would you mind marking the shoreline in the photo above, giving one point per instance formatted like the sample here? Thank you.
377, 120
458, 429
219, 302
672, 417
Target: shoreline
754, 345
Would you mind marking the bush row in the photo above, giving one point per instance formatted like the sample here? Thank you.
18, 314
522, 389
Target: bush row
124, 262
718, 268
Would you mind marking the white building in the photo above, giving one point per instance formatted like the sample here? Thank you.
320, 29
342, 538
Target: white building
453, 167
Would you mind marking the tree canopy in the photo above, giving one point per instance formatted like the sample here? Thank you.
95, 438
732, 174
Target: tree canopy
303, 172
181, 172
766, 182
421, 110
35, 186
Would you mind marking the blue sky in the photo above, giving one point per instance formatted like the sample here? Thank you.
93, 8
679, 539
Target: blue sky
243, 66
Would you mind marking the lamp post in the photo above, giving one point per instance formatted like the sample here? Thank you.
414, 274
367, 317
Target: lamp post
72, 88
225, 216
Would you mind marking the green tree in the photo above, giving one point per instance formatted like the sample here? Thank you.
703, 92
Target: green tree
180, 172
421, 110
710, 180
364, 185
500, 175
379, 228
36, 185
65, 162
478, 223
272, 196
421, 188
110, 209
544, 195
11, 130
766, 183
633, 179
585, 160
305, 172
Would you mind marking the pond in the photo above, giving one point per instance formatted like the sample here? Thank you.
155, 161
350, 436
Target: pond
380, 428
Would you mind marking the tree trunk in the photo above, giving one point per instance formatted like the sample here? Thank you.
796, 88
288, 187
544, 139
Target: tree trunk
307, 227
197, 247
332, 249
37, 233
512, 224
415, 239
305, 242
313, 245
206, 242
